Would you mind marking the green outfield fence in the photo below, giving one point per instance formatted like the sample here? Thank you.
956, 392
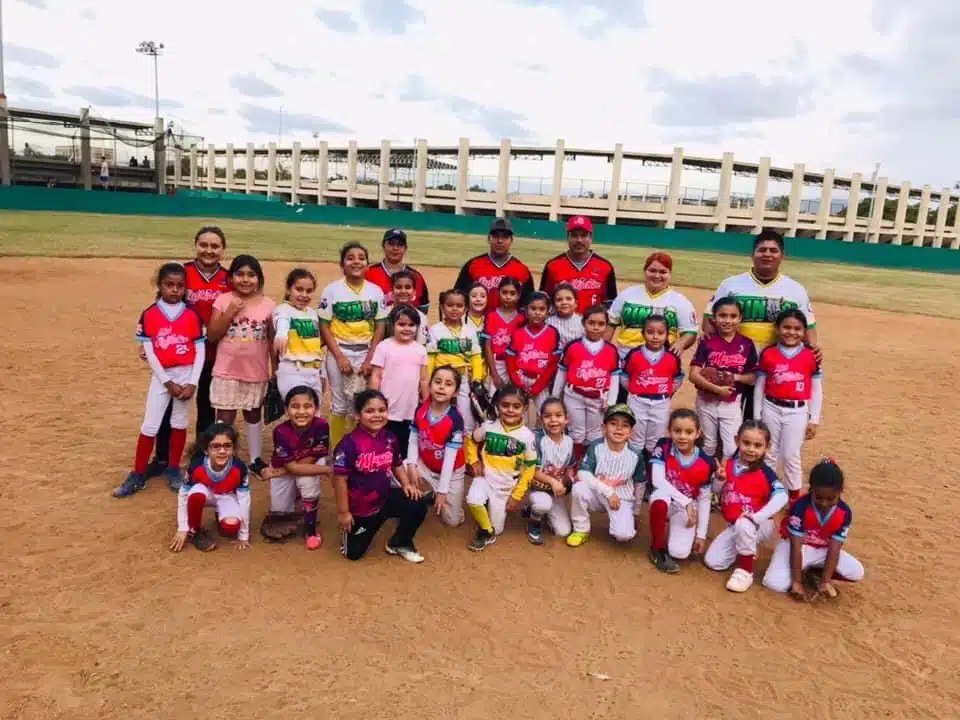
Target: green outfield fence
221, 206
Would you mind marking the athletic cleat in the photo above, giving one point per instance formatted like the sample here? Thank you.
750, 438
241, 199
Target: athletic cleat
576, 539
663, 562
134, 483
482, 539
202, 541
740, 581
257, 467
408, 553
174, 478
535, 532
155, 468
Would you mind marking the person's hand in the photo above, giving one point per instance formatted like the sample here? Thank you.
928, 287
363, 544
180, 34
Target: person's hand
345, 367
345, 519
497, 380
271, 472
235, 306
477, 469
142, 353
173, 388
412, 491
614, 502
826, 590
817, 352
280, 345
724, 391
240, 544
811, 431
691, 515
413, 475
721, 472
513, 504
559, 489
699, 546
179, 540
366, 369
187, 391
440, 503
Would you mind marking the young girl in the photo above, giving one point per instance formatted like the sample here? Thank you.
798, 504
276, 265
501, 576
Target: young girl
477, 310
534, 352
680, 501
456, 344
435, 449
653, 375
498, 329
352, 318
749, 498
554, 476
371, 485
171, 335
503, 468
242, 325
404, 292
216, 479
300, 448
565, 318
721, 365
298, 345
788, 396
588, 379
400, 371
814, 533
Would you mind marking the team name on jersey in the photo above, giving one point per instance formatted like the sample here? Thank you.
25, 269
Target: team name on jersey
503, 445
758, 309
722, 359
306, 328
204, 295
454, 346
589, 373
633, 316
581, 283
351, 311
533, 356
374, 461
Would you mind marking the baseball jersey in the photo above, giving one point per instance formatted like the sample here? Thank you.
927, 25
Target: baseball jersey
556, 459
613, 472
788, 372
746, 489
368, 462
634, 305
291, 445
687, 474
459, 347
532, 357
383, 279
569, 328
485, 270
652, 373
173, 331
509, 456
233, 478
737, 355
498, 330
594, 279
352, 313
805, 522
589, 371
478, 323
435, 435
302, 330
204, 289
761, 302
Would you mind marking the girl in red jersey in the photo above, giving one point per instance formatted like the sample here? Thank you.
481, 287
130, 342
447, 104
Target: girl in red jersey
498, 329
565, 318
216, 479
534, 353
653, 377
588, 379
435, 449
171, 334
749, 498
477, 306
680, 501
788, 396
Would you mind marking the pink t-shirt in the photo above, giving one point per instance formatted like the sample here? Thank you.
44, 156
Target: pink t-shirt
400, 384
244, 352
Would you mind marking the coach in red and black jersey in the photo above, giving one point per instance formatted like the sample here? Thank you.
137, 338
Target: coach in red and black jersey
490, 268
591, 275
381, 274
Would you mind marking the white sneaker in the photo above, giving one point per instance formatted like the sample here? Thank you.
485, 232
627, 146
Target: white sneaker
409, 554
740, 581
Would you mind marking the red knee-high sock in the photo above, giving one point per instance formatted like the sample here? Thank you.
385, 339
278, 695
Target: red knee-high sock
745, 562
195, 505
142, 458
178, 439
658, 525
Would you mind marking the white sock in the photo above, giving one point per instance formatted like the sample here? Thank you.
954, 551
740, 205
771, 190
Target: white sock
255, 439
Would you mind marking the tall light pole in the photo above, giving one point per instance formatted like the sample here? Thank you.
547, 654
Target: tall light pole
154, 50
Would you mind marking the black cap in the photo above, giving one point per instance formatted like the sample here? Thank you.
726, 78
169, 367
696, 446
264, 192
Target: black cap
394, 235
501, 226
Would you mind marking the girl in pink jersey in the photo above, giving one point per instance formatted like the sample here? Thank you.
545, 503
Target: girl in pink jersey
498, 330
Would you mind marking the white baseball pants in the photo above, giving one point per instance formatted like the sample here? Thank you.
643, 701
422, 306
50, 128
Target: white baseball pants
585, 499
483, 493
501, 366
290, 376
788, 427
720, 423
779, 575
343, 388
652, 419
284, 490
680, 538
741, 538
554, 509
586, 417
453, 514
158, 398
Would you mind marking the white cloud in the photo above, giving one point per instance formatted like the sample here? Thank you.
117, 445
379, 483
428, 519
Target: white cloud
757, 77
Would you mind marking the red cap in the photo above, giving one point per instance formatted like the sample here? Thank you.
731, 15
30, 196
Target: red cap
580, 222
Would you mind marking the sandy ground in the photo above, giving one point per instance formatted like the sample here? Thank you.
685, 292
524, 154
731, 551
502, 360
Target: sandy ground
100, 620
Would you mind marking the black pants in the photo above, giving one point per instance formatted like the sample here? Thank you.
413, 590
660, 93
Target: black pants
205, 415
410, 515
402, 430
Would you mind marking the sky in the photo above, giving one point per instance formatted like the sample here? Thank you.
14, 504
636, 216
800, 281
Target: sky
843, 85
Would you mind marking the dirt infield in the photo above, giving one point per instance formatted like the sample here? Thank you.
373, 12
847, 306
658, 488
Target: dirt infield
100, 620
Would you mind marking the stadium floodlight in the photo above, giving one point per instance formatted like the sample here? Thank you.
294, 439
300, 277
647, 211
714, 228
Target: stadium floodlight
154, 50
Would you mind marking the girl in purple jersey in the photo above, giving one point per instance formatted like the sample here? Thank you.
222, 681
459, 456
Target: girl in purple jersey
372, 485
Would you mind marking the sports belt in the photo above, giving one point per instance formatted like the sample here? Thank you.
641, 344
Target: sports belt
663, 396
354, 347
591, 393
786, 403
300, 364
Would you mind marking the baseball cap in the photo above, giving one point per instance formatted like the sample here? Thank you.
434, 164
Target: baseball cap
580, 222
395, 235
620, 410
501, 226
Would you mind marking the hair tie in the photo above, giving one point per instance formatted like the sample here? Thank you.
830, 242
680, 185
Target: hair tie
826, 460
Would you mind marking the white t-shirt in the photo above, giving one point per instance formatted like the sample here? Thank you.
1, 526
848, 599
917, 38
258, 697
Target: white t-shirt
634, 305
761, 302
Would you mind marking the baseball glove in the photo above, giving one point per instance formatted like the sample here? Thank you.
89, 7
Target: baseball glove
273, 407
723, 378
481, 404
280, 527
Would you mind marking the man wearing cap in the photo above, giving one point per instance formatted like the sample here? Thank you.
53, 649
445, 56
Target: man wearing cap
491, 267
394, 250
592, 276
